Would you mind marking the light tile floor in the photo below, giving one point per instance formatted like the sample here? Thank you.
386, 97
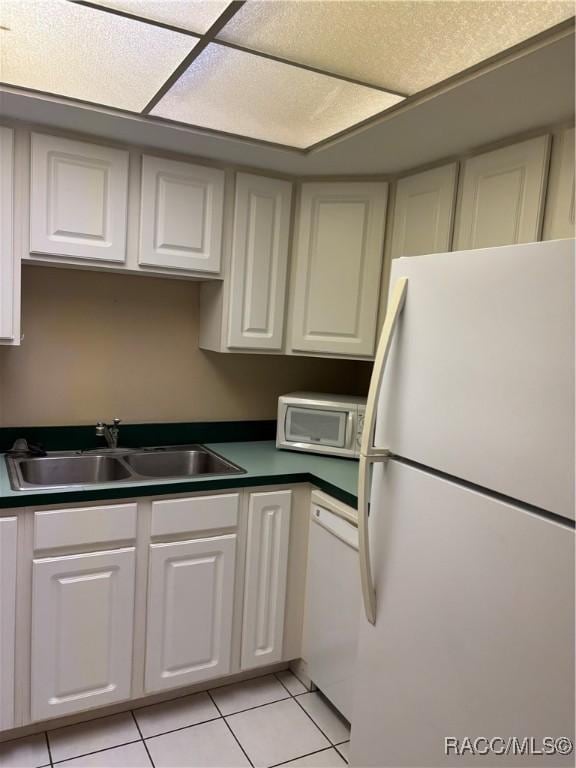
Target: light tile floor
268, 721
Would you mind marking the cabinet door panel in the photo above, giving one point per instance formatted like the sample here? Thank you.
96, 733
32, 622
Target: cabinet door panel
265, 586
78, 199
8, 619
259, 262
82, 623
423, 212
181, 215
190, 604
338, 264
560, 203
9, 264
502, 196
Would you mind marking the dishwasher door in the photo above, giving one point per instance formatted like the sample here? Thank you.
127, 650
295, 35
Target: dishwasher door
333, 606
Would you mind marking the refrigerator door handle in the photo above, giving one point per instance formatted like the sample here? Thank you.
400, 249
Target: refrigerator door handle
368, 590
395, 307
369, 453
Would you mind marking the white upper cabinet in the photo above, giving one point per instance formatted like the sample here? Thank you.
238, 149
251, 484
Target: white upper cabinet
78, 199
7, 619
82, 627
423, 212
181, 215
338, 260
559, 218
265, 586
259, 262
502, 196
190, 606
9, 262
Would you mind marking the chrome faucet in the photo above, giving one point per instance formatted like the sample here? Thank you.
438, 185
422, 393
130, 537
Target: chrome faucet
109, 431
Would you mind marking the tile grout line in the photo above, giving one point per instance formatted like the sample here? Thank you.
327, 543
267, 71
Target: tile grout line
181, 728
285, 686
256, 706
142, 738
340, 753
48, 748
230, 729
309, 715
297, 695
308, 754
297, 678
93, 752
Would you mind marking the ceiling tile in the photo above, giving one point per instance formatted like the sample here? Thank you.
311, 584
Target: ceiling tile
82, 53
403, 45
236, 92
195, 15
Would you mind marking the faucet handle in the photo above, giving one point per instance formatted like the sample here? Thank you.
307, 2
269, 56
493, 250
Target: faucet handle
116, 422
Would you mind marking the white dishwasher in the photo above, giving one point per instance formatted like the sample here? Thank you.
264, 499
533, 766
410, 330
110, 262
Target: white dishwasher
333, 601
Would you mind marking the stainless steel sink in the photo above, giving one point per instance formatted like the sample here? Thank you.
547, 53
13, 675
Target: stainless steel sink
72, 468
178, 463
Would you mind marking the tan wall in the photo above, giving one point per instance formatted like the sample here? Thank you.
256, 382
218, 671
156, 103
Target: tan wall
100, 345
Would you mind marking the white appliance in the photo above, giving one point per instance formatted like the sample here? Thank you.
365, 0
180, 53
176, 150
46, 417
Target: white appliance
333, 601
466, 520
310, 421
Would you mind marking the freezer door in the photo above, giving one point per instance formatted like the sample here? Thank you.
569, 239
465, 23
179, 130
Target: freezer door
474, 632
479, 382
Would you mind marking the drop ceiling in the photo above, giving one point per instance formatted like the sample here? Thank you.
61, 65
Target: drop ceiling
294, 74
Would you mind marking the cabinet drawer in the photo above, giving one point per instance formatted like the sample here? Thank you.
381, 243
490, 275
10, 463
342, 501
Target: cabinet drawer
89, 525
201, 513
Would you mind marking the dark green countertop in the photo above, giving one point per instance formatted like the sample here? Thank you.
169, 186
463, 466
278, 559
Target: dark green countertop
263, 463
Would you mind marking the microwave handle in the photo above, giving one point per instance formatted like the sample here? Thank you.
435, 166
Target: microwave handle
351, 428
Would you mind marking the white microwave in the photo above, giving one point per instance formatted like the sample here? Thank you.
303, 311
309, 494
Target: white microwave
317, 423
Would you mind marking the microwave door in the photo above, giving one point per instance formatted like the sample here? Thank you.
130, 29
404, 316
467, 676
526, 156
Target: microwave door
315, 425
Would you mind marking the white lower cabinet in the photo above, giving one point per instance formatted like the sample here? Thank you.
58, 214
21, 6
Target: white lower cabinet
82, 625
266, 571
190, 605
204, 607
7, 619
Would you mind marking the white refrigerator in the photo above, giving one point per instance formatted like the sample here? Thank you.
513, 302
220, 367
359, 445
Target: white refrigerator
466, 515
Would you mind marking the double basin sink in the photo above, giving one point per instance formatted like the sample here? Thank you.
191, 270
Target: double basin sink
115, 465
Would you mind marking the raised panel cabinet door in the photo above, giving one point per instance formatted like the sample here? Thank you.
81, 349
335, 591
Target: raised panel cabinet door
190, 605
423, 212
265, 584
82, 626
181, 215
337, 270
9, 264
502, 196
78, 199
259, 262
560, 204
7, 619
